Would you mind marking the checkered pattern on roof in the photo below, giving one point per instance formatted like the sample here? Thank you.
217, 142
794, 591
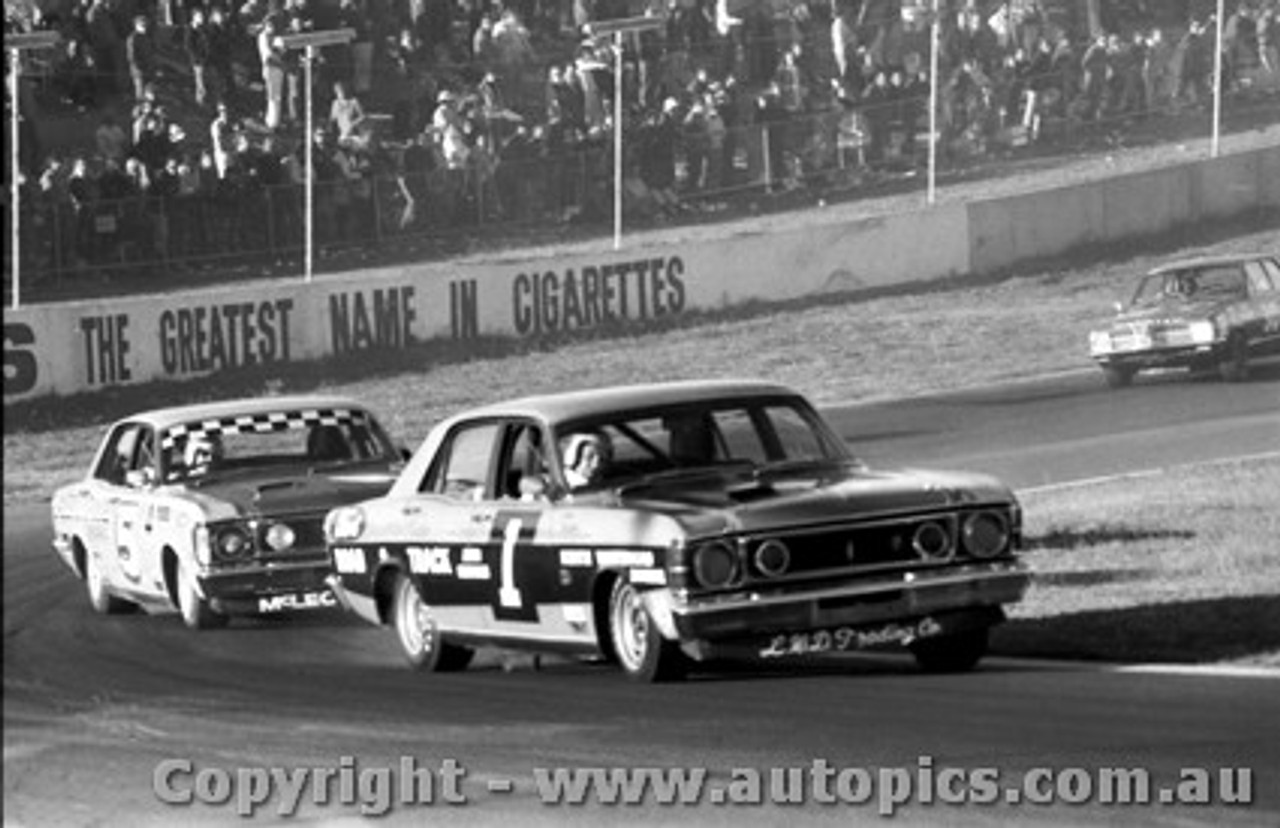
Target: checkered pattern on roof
261, 423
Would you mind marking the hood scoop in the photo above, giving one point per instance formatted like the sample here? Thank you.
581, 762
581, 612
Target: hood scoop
272, 487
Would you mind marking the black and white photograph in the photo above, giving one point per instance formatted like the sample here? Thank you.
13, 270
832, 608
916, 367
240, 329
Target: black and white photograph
641, 412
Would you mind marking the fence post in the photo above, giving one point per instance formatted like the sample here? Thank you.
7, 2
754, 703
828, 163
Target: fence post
377, 208
768, 158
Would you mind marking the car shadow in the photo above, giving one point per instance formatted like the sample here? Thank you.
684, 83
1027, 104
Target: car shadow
1070, 539
1188, 632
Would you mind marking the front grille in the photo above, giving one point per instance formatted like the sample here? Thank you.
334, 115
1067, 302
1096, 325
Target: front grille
850, 548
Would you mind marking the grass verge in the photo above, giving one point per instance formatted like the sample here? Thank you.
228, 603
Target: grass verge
1180, 567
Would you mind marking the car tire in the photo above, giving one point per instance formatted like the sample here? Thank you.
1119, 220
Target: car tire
1118, 376
418, 634
196, 612
640, 648
955, 653
1234, 365
100, 597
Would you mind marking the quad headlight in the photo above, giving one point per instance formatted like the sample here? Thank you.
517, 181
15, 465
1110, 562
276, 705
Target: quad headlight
772, 558
715, 564
932, 541
1099, 342
985, 534
279, 537
232, 544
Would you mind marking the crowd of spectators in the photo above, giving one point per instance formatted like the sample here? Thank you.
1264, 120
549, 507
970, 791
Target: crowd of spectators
446, 113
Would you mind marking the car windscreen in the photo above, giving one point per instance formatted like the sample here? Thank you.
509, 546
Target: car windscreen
1191, 284
755, 432
306, 438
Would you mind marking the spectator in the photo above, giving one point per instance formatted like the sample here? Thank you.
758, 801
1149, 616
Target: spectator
345, 113
112, 140
198, 48
104, 44
271, 53
222, 136
140, 49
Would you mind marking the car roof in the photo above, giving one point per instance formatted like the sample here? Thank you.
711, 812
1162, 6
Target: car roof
572, 405
1208, 261
161, 418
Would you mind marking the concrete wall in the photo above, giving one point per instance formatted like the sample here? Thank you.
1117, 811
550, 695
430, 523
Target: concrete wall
90, 345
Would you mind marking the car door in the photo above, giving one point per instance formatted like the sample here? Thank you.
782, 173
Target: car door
1264, 298
131, 499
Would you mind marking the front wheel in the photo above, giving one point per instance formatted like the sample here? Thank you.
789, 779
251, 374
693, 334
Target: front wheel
642, 651
1234, 366
419, 635
956, 653
1118, 376
100, 597
196, 612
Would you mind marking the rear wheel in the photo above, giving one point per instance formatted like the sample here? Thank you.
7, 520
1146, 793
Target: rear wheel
1118, 376
1234, 366
956, 653
100, 597
196, 612
642, 651
418, 633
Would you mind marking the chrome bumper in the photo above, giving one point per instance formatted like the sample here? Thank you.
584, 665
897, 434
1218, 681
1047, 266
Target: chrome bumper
853, 602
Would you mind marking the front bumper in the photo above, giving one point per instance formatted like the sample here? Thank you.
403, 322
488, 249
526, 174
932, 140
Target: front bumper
1162, 356
853, 603
277, 587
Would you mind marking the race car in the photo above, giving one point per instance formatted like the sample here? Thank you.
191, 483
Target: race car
1207, 313
667, 524
217, 509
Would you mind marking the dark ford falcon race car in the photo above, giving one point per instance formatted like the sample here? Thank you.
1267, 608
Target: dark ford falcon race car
218, 509
663, 524
1217, 313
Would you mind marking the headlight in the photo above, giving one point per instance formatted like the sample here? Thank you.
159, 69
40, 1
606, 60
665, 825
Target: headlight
715, 564
985, 534
232, 544
772, 558
280, 537
1202, 331
932, 541
1099, 342
346, 523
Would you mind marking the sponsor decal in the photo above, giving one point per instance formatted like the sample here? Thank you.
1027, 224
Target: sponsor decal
349, 559
429, 560
623, 558
575, 557
657, 577
848, 638
297, 601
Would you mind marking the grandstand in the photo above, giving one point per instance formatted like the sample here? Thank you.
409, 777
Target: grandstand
162, 142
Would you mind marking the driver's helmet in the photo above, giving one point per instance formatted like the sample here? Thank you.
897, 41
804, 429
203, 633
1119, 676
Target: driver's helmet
201, 452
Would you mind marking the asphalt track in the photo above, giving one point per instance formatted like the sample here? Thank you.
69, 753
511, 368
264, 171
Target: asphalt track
92, 704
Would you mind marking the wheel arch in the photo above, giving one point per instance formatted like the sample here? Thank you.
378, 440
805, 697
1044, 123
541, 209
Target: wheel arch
384, 581
169, 568
601, 591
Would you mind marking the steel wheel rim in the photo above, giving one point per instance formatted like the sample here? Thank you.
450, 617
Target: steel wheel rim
414, 621
631, 627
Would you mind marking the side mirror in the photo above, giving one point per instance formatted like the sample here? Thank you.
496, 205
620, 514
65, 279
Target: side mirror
405, 454
140, 478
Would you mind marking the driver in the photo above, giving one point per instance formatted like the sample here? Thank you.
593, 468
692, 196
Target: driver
585, 457
201, 453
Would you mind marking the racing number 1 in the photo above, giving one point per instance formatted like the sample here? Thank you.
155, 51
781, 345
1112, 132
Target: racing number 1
508, 592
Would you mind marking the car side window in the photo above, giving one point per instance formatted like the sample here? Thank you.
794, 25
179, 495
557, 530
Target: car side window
524, 472
1259, 281
462, 470
796, 437
122, 451
1273, 270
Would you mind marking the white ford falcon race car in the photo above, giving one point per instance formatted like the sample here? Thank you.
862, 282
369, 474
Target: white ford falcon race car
217, 509
663, 524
